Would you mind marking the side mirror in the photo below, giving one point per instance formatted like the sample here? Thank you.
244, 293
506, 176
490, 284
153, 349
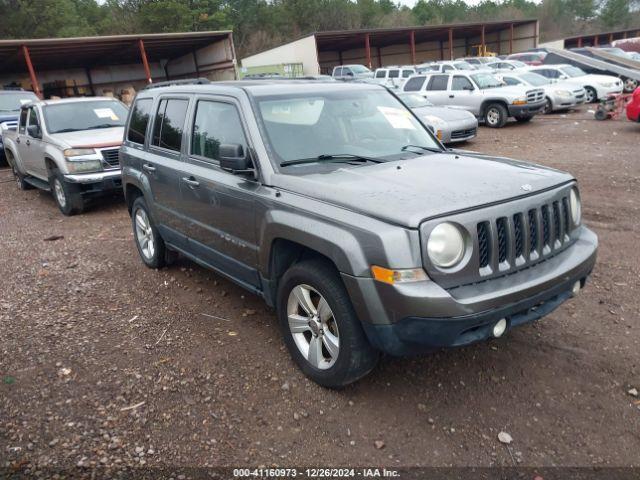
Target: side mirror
233, 158
468, 88
349, 74
34, 131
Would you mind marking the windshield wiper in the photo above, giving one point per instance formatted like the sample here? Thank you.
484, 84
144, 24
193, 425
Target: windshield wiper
421, 147
331, 157
103, 125
67, 130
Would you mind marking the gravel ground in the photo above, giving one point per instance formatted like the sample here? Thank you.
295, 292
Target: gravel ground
105, 362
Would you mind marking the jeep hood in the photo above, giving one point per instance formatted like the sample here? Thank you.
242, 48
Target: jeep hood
407, 192
96, 138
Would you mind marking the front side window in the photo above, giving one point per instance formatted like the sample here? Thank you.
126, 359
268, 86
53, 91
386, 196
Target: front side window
370, 123
84, 115
215, 124
407, 73
486, 80
394, 73
414, 84
446, 68
140, 116
438, 83
169, 123
22, 126
337, 72
461, 83
359, 69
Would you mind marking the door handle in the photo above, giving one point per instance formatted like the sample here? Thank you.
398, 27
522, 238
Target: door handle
18, 140
192, 182
28, 142
148, 168
452, 96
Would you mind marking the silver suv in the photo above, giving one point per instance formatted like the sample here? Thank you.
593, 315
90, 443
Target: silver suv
338, 207
480, 93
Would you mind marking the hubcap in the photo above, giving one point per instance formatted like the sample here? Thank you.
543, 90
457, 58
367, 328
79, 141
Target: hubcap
591, 96
144, 234
493, 116
313, 327
59, 190
630, 85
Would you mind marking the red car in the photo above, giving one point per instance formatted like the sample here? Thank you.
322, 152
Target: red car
633, 107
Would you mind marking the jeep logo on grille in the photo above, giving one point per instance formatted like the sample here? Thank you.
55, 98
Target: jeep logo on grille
526, 187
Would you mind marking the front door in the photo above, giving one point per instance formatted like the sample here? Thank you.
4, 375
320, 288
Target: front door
23, 142
35, 146
219, 204
462, 94
164, 164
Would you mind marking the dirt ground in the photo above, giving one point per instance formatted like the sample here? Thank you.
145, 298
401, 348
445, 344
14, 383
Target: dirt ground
105, 362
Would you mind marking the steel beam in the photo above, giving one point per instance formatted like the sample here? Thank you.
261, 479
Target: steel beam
32, 72
145, 62
412, 39
450, 43
367, 48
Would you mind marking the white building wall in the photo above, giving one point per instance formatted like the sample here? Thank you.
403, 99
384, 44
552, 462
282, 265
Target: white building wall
299, 51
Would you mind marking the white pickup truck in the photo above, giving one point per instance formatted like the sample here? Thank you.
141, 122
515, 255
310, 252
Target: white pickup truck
69, 147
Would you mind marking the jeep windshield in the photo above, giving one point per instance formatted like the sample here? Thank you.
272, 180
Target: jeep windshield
11, 102
90, 115
486, 80
340, 124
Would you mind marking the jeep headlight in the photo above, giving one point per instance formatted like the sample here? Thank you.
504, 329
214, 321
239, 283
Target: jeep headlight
78, 152
576, 206
445, 246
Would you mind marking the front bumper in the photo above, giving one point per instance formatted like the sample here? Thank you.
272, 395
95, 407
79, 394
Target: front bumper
90, 183
422, 316
526, 110
459, 131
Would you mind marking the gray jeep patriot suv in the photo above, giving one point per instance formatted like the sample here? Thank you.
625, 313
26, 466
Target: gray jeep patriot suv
335, 204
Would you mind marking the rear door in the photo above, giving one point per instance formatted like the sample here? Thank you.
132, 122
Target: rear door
163, 166
219, 204
437, 89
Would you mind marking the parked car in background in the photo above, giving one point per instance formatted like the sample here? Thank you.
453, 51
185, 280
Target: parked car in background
530, 58
450, 125
559, 96
339, 208
506, 65
445, 66
393, 77
480, 93
479, 62
69, 147
596, 86
351, 72
10, 103
633, 107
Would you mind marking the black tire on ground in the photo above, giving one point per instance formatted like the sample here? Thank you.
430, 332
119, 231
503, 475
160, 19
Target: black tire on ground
66, 195
22, 185
601, 114
156, 259
495, 115
524, 119
548, 106
592, 95
356, 357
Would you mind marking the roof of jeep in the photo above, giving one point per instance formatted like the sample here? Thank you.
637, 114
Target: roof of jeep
261, 87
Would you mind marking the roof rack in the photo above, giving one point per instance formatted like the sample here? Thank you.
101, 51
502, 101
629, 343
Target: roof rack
186, 81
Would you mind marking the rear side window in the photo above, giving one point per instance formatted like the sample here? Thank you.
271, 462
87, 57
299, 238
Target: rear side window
215, 124
140, 116
169, 123
394, 73
380, 73
438, 82
414, 84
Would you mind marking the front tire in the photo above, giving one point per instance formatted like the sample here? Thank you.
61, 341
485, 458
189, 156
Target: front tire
67, 196
320, 328
148, 240
548, 106
495, 115
592, 95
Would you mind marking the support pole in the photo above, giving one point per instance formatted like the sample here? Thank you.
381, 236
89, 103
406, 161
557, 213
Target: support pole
195, 62
412, 38
610, 38
87, 70
379, 58
367, 48
32, 72
580, 42
499, 42
441, 50
450, 43
482, 43
510, 39
340, 57
595, 41
145, 63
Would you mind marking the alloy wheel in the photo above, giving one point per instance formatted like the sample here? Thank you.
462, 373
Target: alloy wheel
59, 192
493, 116
591, 95
144, 234
313, 326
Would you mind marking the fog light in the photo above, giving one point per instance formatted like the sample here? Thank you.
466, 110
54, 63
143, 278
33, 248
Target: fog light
576, 287
499, 327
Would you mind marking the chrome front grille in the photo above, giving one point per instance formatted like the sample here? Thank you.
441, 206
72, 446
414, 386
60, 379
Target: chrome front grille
535, 96
507, 237
111, 157
470, 132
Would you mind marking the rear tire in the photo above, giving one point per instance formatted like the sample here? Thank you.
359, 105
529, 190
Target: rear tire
19, 178
322, 331
592, 95
67, 195
495, 115
148, 240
